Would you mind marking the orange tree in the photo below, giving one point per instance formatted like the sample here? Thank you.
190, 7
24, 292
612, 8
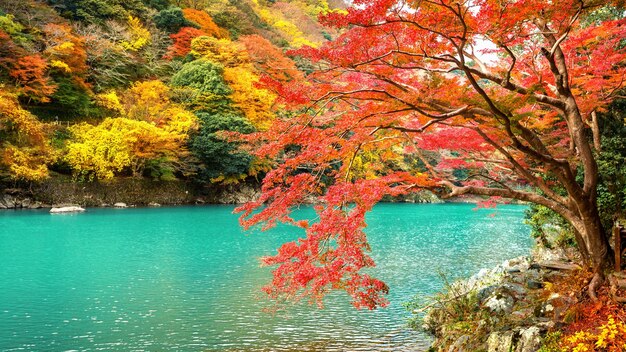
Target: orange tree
504, 91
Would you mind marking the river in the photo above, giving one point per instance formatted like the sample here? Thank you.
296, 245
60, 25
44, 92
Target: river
188, 279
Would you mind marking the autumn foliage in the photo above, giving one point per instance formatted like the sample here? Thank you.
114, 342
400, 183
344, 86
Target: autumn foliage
484, 98
111, 89
31, 75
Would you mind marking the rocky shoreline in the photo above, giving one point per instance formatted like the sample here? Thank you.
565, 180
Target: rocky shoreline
58, 192
62, 191
507, 308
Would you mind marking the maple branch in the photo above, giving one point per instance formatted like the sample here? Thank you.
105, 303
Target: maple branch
558, 67
480, 64
507, 84
569, 28
507, 77
508, 193
521, 170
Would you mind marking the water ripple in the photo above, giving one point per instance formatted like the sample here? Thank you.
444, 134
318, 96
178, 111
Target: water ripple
188, 279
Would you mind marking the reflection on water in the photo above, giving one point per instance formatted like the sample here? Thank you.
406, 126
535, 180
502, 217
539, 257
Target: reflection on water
188, 279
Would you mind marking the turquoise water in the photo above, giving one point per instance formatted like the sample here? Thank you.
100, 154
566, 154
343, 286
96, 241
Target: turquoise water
187, 279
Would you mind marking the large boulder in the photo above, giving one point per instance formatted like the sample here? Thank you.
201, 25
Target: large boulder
501, 341
9, 201
529, 340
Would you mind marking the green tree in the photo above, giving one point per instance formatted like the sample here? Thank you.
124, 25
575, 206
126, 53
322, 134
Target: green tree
202, 84
96, 11
220, 158
171, 20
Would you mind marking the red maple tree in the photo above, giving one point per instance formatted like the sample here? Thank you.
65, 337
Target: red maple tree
30, 74
181, 45
503, 90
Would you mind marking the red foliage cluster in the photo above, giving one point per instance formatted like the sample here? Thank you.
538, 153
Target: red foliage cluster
501, 91
181, 45
30, 73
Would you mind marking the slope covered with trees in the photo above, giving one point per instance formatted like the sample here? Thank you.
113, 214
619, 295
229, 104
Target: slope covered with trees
103, 89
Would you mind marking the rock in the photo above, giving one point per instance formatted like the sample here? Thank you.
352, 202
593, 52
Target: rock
558, 265
541, 253
9, 201
516, 265
154, 204
522, 314
500, 341
485, 292
35, 205
26, 203
70, 209
120, 205
529, 340
546, 325
460, 344
516, 289
500, 303
534, 285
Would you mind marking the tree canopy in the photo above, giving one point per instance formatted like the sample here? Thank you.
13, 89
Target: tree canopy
505, 92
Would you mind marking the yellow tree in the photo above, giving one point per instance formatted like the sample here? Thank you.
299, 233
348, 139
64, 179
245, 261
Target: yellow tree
118, 144
150, 101
149, 129
138, 35
24, 150
255, 102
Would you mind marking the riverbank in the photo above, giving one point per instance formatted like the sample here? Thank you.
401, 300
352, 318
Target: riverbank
136, 192
62, 190
535, 303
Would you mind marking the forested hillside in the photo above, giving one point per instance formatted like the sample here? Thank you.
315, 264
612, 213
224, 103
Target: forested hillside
144, 88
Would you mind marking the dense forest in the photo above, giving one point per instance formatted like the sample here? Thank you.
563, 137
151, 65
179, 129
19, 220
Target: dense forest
111, 89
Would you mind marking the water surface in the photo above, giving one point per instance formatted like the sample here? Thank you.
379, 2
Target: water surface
187, 278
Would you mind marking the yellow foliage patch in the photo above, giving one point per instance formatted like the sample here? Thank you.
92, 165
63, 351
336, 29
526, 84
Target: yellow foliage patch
139, 35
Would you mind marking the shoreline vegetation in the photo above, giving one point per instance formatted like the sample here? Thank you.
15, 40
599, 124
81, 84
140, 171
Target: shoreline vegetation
525, 304
63, 191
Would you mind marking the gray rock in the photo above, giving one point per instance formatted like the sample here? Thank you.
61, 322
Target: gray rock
154, 204
501, 341
9, 201
522, 314
546, 324
485, 292
515, 265
516, 289
499, 303
120, 205
534, 285
70, 209
460, 344
529, 340
26, 203
35, 205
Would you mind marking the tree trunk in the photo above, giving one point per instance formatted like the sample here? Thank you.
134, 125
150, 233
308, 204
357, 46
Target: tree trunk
596, 244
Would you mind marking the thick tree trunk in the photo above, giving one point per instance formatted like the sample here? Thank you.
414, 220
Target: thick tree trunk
596, 244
